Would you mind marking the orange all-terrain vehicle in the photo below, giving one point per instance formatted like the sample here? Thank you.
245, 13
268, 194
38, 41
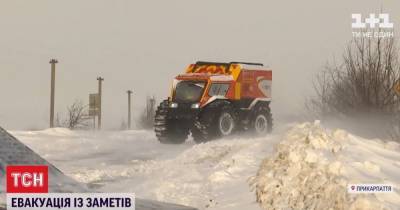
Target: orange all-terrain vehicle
216, 99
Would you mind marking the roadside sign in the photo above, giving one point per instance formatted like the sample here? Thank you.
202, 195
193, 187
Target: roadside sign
93, 104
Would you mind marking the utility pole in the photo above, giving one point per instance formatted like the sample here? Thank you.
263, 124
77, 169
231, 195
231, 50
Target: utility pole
129, 108
100, 79
52, 90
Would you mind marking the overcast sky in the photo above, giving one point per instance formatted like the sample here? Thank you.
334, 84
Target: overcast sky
142, 45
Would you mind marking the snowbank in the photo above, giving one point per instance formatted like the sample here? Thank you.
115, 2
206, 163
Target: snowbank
312, 168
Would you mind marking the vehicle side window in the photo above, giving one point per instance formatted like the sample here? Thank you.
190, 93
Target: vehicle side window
218, 89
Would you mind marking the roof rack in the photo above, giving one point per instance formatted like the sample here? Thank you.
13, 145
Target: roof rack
247, 63
198, 63
226, 64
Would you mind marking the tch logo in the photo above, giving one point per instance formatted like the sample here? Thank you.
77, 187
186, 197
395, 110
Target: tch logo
27, 179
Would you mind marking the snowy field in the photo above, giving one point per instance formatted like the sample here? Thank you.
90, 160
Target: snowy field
222, 174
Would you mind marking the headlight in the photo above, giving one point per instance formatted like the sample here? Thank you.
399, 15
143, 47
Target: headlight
195, 106
173, 105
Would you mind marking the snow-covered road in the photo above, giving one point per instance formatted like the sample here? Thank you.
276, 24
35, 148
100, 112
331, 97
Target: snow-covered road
213, 175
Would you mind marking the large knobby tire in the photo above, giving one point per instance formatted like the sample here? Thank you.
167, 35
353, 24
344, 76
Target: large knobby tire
169, 131
215, 121
261, 121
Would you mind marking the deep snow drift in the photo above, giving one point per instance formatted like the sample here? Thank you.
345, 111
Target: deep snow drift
313, 167
309, 161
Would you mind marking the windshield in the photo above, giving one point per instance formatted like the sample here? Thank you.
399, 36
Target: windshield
189, 91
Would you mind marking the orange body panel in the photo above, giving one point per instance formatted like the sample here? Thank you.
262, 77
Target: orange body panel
255, 83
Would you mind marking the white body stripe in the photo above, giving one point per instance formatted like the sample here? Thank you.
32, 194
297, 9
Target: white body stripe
254, 102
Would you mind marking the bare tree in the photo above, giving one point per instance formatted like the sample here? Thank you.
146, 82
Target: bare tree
362, 83
77, 115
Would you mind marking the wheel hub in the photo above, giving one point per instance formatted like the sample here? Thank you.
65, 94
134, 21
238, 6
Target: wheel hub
261, 124
226, 124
